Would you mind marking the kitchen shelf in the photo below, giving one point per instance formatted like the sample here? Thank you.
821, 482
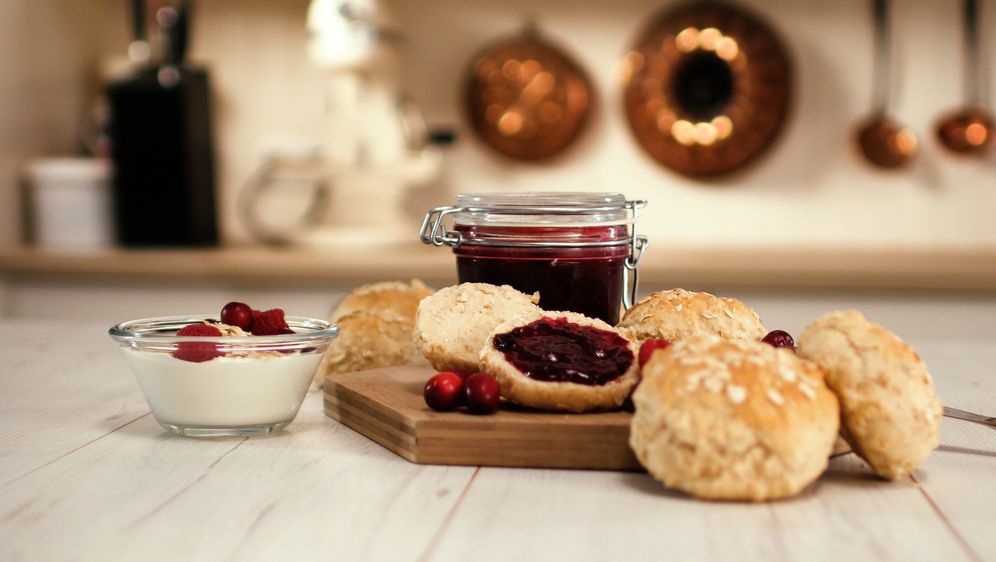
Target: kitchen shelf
881, 269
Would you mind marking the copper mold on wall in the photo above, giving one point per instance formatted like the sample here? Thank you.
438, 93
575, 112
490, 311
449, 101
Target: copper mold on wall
707, 88
526, 98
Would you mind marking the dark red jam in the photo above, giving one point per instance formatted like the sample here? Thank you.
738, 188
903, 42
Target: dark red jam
583, 279
557, 350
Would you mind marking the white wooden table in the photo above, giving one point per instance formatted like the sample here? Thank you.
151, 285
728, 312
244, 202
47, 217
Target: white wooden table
87, 474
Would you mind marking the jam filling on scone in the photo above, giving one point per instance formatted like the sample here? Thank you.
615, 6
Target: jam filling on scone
557, 350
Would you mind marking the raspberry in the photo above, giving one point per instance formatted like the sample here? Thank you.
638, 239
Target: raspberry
199, 330
648, 348
197, 352
269, 323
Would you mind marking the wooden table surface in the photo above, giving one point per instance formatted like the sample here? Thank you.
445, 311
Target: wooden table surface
87, 474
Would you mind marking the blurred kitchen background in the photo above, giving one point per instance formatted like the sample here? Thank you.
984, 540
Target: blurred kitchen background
326, 155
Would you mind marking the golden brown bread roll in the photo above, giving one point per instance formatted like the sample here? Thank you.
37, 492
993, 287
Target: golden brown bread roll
452, 325
395, 296
733, 419
375, 326
678, 314
891, 415
369, 340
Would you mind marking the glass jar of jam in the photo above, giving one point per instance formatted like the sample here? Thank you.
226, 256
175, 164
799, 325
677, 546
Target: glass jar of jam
579, 250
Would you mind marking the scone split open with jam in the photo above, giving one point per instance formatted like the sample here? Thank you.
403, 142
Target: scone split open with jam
561, 361
556, 350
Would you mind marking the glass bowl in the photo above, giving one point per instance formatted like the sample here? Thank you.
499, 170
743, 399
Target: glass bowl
237, 386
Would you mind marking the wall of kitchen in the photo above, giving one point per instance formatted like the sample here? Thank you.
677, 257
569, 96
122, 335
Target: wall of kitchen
46, 59
811, 190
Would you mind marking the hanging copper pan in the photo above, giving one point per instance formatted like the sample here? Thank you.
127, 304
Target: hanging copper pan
525, 97
707, 88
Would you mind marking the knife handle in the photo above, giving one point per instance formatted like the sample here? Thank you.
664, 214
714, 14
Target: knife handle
970, 417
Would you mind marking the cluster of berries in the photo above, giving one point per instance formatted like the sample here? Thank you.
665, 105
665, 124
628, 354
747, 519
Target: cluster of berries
258, 323
448, 390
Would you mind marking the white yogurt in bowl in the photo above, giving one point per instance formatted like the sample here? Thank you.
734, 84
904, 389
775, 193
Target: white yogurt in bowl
224, 392
253, 385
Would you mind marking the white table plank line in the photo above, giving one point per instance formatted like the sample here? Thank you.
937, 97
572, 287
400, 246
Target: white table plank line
71, 451
958, 477
65, 384
315, 490
186, 488
969, 551
434, 542
243, 542
581, 515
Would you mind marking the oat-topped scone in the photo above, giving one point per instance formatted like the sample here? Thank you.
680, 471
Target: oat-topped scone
375, 323
733, 419
369, 340
561, 361
891, 416
678, 314
394, 296
453, 324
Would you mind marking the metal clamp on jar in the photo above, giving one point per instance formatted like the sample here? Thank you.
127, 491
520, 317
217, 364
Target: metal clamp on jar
579, 250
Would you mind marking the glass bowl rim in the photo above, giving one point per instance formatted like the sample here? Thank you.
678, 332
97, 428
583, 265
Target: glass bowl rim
123, 332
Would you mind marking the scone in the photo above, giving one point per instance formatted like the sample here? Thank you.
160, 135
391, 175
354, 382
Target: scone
561, 361
452, 325
369, 340
394, 296
678, 314
733, 419
375, 324
891, 416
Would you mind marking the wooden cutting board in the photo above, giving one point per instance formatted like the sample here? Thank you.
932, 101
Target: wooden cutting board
386, 405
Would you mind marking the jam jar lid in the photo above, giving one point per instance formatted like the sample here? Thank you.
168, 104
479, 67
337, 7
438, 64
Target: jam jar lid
541, 209
536, 219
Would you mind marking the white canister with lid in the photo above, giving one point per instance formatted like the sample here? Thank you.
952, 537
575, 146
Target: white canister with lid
71, 202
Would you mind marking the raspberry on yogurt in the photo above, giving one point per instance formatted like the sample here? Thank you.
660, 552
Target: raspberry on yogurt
195, 351
269, 323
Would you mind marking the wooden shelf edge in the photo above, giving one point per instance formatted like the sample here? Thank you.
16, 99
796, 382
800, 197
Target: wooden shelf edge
878, 269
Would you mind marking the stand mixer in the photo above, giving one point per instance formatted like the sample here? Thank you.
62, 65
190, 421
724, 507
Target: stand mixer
374, 139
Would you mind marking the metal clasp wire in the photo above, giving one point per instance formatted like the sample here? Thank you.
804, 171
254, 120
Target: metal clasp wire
638, 243
434, 231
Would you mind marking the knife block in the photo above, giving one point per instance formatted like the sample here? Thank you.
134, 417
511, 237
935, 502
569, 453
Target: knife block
164, 186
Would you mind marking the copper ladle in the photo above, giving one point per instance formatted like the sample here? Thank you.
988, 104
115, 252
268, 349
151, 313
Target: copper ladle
883, 141
970, 129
